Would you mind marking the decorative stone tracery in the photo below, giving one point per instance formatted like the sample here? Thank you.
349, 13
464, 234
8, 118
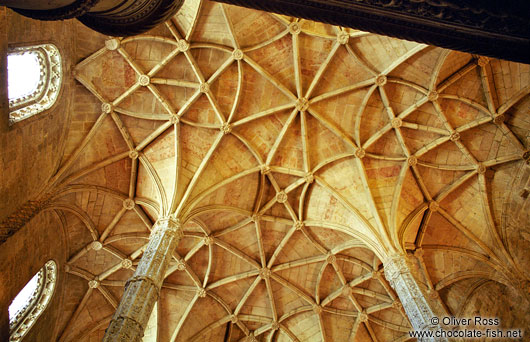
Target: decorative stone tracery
48, 88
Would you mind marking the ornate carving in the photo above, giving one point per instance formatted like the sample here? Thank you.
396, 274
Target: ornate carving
454, 136
26, 316
294, 28
226, 128
309, 178
499, 119
126, 263
412, 161
144, 80
128, 203
133, 155
363, 316
380, 80
183, 45
93, 284
343, 37
265, 273
143, 288
298, 225
302, 104
360, 153
481, 169
482, 61
331, 258
112, 44
281, 197
432, 96
106, 107
434, 206
397, 122
317, 309
346, 290
275, 325
265, 170
96, 245
238, 54
47, 90
204, 87
133, 18
417, 307
174, 119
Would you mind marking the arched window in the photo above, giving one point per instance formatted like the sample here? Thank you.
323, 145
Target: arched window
34, 79
31, 301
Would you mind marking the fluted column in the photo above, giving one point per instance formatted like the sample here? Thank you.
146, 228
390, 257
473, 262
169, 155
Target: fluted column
143, 289
420, 309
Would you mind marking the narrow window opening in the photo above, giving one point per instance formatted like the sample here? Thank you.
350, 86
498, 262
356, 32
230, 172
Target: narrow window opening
34, 80
31, 301
24, 74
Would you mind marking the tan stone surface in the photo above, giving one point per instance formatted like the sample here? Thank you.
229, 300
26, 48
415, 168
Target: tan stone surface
297, 161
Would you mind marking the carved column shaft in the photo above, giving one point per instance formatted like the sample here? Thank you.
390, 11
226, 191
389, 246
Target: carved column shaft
419, 308
143, 289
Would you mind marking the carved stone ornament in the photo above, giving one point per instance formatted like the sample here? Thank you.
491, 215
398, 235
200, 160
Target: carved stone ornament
126, 263
360, 153
201, 293
302, 104
380, 80
434, 206
397, 122
106, 107
412, 161
317, 309
128, 203
417, 307
238, 54
144, 80
143, 288
208, 241
363, 317
499, 119
481, 169
346, 290
26, 316
183, 45
181, 265
294, 28
309, 178
233, 319
281, 197
343, 37
265, 170
174, 119
454, 136
46, 92
204, 87
133, 154
275, 325
265, 273
482, 61
331, 258
226, 128
112, 44
96, 245
433, 96
298, 225
93, 284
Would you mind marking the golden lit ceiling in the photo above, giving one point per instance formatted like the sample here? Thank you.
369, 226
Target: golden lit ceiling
299, 155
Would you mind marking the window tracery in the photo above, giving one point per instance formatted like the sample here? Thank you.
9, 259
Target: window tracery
31, 301
34, 80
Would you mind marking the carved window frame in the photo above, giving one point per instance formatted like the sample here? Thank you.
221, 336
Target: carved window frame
48, 88
28, 315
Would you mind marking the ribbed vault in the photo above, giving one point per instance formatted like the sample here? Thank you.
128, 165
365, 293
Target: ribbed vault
299, 155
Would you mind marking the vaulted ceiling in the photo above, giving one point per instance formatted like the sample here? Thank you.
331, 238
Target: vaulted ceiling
298, 155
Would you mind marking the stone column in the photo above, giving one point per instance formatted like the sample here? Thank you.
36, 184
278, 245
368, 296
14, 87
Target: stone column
420, 309
142, 290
